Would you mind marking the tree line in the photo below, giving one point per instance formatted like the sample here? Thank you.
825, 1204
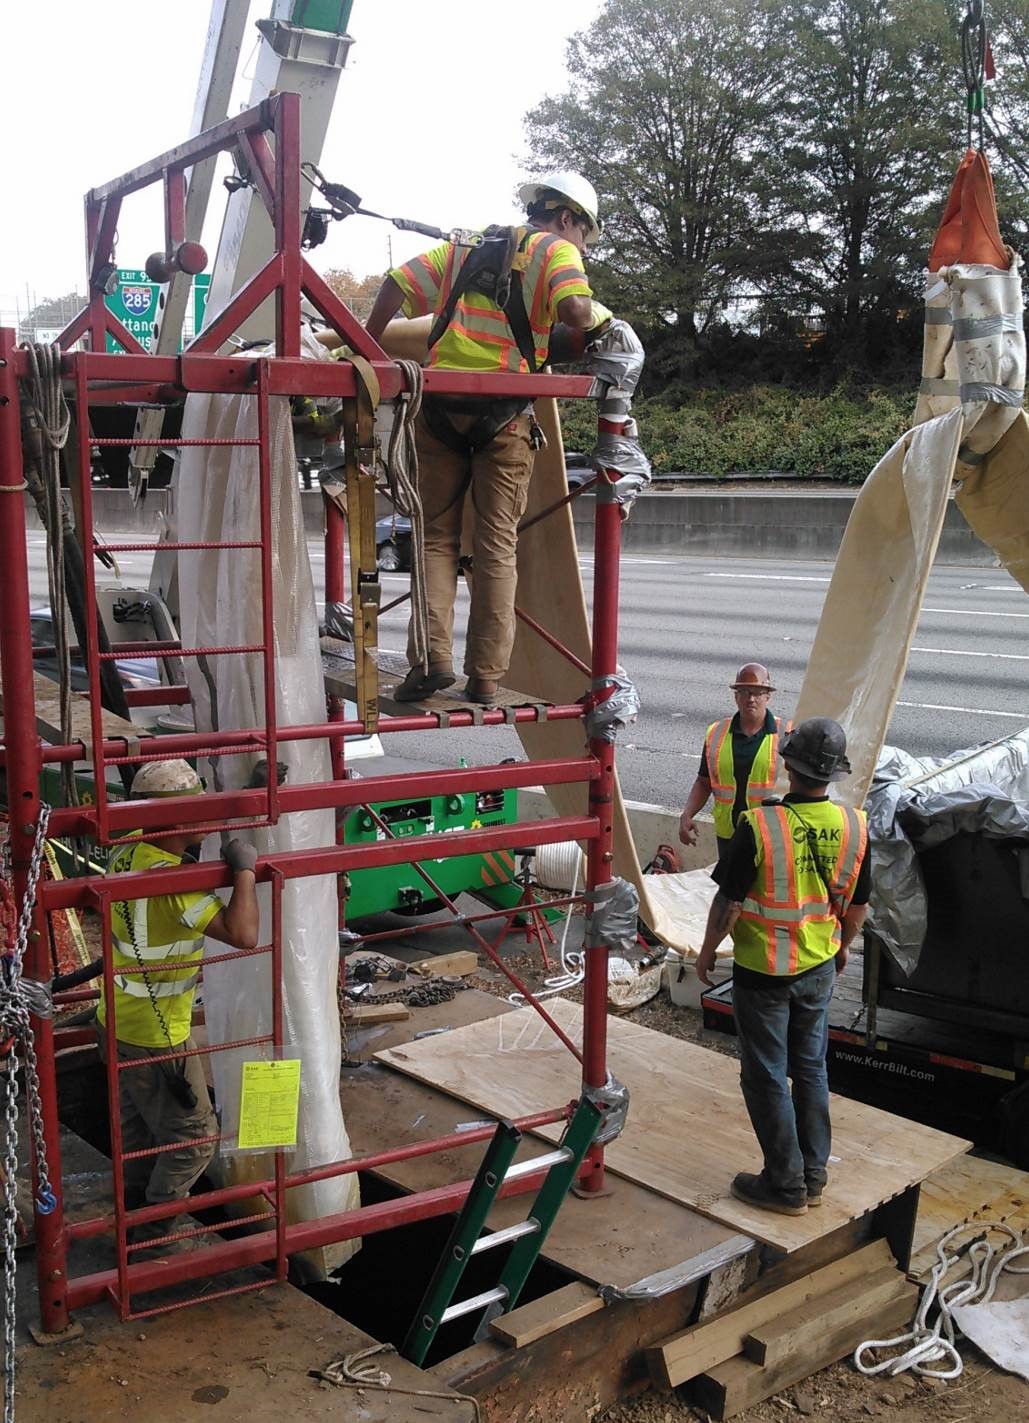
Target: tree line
771, 173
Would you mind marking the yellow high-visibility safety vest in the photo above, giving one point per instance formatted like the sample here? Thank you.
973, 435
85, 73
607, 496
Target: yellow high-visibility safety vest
479, 337
763, 773
790, 921
167, 934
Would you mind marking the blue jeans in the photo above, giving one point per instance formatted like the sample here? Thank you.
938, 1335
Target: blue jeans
784, 1033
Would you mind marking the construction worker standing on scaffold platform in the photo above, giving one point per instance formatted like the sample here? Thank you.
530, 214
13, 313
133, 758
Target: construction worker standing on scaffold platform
495, 305
793, 891
161, 938
740, 763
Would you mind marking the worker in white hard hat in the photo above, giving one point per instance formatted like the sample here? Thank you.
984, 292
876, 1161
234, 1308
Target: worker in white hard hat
739, 764
495, 305
160, 939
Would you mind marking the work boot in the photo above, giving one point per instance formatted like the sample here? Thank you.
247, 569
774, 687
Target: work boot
814, 1193
756, 1191
419, 683
481, 689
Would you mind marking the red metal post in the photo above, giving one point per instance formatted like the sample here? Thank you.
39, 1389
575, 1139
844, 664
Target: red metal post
600, 853
267, 587
278, 1016
24, 764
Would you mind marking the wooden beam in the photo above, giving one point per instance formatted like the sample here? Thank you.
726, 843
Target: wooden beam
776, 1340
739, 1383
456, 965
363, 1015
673, 1361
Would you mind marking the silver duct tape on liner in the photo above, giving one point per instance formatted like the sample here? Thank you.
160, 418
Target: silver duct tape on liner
936, 385
606, 719
612, 916
937, 316
677, 1277
978, 390
975, 327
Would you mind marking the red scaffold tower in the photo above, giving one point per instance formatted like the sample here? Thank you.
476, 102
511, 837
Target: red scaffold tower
93, 377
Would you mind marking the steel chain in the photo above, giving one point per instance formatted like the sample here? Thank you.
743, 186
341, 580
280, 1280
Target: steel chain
16, 1025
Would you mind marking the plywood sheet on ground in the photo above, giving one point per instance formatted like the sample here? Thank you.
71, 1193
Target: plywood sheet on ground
970, 1190
688, 1133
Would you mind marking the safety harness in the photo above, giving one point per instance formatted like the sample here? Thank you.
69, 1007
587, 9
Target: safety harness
488, 269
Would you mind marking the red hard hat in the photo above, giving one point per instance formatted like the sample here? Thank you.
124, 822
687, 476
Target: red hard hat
751, 675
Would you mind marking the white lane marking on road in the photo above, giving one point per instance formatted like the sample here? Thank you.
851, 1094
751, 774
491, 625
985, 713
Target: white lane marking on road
972, 711
588, 558
957, 652
975, 612
773, 577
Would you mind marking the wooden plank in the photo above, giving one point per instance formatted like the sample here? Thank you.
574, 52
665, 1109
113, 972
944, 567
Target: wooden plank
680, 1093
673, 1361
48, 715
341, 678
533, 1321
363, 1015
458, 964
861, 1299
740, 1383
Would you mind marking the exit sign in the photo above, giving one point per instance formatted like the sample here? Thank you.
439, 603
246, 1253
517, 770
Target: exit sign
136, 302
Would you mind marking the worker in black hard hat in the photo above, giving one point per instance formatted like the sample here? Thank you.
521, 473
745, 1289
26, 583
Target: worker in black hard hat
793, 892
739, 763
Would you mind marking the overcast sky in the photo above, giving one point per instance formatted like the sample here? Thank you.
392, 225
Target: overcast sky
427, 122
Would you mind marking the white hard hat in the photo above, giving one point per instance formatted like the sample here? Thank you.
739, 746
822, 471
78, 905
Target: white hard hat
579, 192
165, 778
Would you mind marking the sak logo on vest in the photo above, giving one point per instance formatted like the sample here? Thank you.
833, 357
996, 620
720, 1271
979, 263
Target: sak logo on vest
813, 835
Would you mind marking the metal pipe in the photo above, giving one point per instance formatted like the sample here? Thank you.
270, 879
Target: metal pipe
192, 743
318, 795
23, 802
305, 1235
227, 1195
600, 851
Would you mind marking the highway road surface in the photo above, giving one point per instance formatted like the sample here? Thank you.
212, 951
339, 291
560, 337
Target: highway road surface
687, 623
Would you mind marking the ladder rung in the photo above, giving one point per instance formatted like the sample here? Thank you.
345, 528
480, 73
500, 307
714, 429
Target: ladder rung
502, 1237
537, 1163
469, 1306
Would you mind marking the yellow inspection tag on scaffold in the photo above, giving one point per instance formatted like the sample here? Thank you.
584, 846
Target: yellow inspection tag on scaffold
268, 1103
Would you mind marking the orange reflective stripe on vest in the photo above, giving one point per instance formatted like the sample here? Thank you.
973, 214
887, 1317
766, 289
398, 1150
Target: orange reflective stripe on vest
790, 921
721, 772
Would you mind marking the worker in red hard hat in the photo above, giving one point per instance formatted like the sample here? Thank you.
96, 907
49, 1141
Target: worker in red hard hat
793, 890
157, 945
739, 763
495, 302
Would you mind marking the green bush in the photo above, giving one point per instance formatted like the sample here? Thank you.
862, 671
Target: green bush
838, 436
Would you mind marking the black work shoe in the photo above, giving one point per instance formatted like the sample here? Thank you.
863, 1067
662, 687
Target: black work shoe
814, 1193
756, 1191
419, 684
481, 689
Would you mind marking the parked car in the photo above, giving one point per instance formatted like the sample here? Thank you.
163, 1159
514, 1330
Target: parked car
393, 533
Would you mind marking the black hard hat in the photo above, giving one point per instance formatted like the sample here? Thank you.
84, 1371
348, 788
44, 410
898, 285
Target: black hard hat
817, 748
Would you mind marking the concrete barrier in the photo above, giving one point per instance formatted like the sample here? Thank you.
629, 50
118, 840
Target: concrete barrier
784, 523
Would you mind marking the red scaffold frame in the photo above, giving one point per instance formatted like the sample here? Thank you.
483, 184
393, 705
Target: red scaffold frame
94, 376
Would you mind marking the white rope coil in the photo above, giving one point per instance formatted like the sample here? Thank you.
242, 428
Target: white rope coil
559, 866
929, 1344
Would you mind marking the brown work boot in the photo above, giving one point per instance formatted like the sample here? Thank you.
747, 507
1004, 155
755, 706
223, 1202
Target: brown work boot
419, 683
481, 689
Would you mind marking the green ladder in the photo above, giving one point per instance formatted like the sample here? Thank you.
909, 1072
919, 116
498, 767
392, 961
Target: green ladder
527, 1236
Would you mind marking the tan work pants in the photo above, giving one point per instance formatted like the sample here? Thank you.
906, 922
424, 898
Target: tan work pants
498, 480
152, 1116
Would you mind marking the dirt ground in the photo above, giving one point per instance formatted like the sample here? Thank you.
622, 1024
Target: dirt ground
838, 1393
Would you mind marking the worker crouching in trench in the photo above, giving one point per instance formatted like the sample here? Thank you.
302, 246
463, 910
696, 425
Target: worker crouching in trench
166, 1102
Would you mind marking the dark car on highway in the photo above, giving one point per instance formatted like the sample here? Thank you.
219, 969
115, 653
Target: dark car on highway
393, 533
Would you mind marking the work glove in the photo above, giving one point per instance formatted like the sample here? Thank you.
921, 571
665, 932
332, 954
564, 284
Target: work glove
238, 855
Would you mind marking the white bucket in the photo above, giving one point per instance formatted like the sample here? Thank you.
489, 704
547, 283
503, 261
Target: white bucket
680, 978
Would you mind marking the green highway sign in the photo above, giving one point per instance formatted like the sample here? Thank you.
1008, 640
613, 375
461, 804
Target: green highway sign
135, 301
